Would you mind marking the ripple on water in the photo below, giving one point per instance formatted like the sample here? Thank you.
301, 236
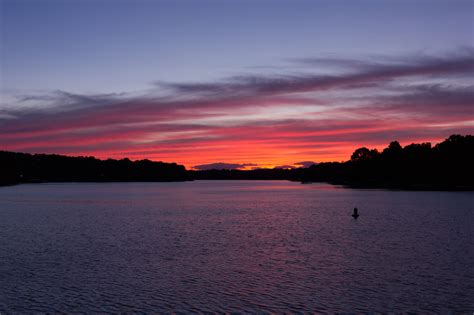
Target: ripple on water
233, 247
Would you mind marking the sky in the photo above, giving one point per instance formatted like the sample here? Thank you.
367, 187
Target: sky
235, 84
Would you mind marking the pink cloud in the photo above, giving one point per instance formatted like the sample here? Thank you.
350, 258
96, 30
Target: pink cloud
246, 119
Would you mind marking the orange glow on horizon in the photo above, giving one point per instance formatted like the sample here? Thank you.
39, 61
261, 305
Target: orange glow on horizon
233, 152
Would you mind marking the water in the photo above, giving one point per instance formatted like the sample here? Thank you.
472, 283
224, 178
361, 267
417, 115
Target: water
244, 246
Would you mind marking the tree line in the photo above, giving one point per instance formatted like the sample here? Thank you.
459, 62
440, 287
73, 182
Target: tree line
30, 168
446, 166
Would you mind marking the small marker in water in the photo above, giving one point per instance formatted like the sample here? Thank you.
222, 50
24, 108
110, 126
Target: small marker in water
355, 215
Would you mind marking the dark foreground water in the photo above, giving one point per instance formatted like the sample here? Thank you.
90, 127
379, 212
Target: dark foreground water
244, 246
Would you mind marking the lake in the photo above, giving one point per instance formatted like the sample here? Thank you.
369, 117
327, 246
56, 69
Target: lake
243, 246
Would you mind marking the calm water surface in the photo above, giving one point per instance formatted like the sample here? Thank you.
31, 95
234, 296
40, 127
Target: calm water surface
244, 246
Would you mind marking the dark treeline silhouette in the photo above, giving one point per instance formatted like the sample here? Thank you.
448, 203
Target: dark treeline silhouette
18, 168
257, 174
448, 165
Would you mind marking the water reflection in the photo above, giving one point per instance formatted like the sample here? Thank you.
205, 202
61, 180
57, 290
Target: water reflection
233, 246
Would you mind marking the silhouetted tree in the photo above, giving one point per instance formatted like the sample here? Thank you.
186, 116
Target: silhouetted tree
393, 147
449, 165
27, 168
360, 154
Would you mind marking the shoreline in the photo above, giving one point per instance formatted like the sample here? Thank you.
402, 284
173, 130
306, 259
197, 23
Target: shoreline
388, 187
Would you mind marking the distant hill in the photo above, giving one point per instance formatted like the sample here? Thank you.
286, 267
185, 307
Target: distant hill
18, 168
256, 174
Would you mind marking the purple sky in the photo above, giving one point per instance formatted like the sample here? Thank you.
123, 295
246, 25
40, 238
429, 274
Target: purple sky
251, 83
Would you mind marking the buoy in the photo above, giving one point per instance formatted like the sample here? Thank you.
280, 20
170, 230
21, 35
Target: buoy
355, 215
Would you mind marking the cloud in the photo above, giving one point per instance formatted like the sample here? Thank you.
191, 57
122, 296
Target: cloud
269, 119
305, 164
57, 101
222, 166
368, 72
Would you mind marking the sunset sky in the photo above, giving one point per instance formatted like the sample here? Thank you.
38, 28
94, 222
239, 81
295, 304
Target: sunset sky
244, 83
